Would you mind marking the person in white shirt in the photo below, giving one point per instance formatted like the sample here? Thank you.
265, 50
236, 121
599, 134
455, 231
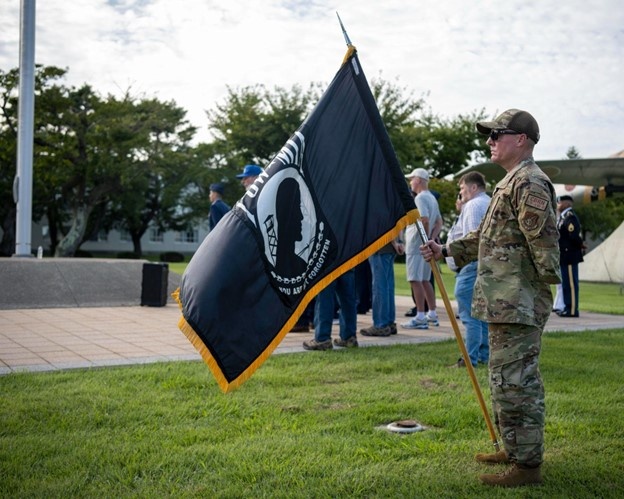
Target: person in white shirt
418, 270
474, 204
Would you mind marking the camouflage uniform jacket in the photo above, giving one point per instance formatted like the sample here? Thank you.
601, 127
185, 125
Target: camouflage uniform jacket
517, 248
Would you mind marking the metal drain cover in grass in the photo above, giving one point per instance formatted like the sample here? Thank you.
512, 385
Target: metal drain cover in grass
405, 426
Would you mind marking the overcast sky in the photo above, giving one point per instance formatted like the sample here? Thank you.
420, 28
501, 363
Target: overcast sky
561, 60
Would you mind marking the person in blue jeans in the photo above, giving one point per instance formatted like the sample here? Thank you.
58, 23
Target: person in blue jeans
342, 288
384, 307
476, 330
472, 203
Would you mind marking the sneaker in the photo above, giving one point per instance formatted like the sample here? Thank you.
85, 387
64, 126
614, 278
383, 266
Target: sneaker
348, 343
393, 328
411, 312
432, 320
376, 331
317, 345
416, 323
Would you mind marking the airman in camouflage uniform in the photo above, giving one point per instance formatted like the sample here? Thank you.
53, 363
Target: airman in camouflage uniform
517, 250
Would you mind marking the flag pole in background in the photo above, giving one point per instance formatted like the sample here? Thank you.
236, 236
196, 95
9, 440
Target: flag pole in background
451, 313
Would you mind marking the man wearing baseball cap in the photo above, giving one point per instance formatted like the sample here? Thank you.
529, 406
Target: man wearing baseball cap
249, 175
418, 271
218, 207
517, 249
512, 122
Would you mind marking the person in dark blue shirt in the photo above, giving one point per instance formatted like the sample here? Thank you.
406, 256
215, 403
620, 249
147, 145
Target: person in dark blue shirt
218, 207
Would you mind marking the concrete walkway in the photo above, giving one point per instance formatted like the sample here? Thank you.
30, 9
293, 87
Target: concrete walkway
65, 338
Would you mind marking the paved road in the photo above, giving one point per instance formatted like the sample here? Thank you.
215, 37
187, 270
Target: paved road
48, 339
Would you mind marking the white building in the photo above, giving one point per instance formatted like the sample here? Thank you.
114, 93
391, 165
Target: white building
152, 242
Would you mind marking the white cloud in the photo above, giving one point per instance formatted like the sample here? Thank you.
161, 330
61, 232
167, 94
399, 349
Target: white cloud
561, 60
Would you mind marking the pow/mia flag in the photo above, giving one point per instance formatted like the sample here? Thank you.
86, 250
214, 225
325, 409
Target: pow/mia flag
331, 197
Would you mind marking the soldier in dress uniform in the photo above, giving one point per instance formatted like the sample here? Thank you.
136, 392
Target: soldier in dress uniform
517, 250
571, 254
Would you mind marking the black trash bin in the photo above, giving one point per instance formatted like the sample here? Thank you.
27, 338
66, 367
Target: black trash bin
154, 284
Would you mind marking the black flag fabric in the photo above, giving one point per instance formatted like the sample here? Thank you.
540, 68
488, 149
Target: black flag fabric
331, 197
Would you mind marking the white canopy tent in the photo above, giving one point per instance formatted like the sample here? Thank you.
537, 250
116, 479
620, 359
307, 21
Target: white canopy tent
605, 263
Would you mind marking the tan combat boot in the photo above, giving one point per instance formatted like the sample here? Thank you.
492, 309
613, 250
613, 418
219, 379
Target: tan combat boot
514, 477
499, 457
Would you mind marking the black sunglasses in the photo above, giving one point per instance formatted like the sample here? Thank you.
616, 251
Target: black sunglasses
494, 134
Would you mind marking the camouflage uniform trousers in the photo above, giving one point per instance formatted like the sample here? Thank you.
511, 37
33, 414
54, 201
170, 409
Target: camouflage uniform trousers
517, 390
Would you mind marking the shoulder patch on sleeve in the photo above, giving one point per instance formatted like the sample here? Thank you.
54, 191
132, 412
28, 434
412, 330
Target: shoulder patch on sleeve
530, 221
536, 202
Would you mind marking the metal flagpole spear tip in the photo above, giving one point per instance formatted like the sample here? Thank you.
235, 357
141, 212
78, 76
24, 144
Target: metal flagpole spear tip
344, 31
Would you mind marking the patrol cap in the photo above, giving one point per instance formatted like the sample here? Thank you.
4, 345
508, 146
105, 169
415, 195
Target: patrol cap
250, 171
218, 187
565, 197
512, 119
420, 173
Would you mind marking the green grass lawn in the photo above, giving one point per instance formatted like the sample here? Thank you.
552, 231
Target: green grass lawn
594, 297
305, 425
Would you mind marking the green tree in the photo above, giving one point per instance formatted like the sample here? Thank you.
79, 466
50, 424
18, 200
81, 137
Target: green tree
602, 218
422, 139
99, 142
8, 160
123, 157
150, 196
50, 107
452, 143
400, 111
573, 153
63, 140
253, 123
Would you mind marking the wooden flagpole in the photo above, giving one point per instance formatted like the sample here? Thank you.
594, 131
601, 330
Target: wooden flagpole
450, 312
